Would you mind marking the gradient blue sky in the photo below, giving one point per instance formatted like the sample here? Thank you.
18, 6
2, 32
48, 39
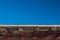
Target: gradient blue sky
29, 11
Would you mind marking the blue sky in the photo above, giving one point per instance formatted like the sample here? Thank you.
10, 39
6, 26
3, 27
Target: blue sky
29, 11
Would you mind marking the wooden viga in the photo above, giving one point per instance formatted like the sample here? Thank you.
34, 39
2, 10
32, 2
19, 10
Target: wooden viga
45, 32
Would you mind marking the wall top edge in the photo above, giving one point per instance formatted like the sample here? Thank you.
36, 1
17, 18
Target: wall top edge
31, 25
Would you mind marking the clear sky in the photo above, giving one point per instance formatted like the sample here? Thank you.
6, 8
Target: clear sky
29, 11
